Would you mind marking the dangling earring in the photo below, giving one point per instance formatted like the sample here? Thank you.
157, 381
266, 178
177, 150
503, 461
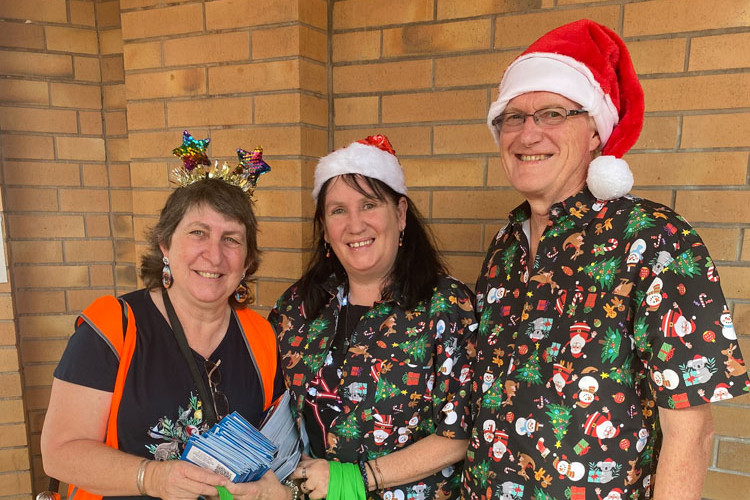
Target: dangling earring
327, 249
401, 239
166, 273
240, 293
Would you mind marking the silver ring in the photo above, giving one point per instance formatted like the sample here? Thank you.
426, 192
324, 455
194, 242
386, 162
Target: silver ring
304, 473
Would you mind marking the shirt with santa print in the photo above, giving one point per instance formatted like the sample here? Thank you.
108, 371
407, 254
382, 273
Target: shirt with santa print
620, 313
406, 374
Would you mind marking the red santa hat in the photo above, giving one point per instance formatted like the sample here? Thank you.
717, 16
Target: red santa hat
502, 436
587, 63
372, 157
563, 369
383, 422
580, 328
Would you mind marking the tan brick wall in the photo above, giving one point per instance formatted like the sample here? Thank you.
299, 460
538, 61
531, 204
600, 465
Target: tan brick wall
424, 72
64, 168
94, 94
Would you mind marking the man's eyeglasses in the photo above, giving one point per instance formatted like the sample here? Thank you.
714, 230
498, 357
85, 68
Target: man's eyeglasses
546, 117
221, 404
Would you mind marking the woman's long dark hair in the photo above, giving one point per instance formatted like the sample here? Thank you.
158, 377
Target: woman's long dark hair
418, 265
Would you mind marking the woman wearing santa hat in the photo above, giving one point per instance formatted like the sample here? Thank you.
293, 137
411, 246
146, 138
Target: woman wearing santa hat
568, 109
376, 310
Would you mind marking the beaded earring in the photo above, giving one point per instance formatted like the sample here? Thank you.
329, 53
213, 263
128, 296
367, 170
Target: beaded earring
240, 293
166, 273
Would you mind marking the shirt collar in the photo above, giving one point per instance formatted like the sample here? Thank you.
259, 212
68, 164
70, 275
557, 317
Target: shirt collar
340, 289
581, 207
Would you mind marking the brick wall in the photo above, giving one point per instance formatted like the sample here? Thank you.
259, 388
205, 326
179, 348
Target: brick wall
95, 94
424, 72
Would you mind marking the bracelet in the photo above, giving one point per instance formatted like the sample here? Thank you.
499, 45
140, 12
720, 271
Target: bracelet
363, 471
380, 473
141, 475
292, 485
374, 477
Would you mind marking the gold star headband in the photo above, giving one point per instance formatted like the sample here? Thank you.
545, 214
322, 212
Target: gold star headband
197, 166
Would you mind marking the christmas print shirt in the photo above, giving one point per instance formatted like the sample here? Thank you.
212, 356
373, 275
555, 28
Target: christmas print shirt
620, 313
406, 375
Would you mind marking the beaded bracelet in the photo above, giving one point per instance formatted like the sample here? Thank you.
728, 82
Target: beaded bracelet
363, 471
292, 485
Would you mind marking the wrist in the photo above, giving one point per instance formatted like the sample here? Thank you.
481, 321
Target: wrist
292, 490
140, 477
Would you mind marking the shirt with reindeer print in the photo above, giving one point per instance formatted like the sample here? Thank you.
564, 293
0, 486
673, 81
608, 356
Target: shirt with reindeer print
403, 375
620, 313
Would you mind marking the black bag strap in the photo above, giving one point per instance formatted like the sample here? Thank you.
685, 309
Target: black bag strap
206, 400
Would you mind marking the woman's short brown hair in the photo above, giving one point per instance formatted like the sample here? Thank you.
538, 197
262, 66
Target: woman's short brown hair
226, 199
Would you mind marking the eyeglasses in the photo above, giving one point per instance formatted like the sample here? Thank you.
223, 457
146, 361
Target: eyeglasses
545, 118
220, 401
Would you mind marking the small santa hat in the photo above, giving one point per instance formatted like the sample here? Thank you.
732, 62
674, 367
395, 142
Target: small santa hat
563, 369
384, 422
502, 436
580, 328
371, 157
587, 63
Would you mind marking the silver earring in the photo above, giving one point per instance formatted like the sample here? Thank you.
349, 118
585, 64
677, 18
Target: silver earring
166, 273
328, 249
401, 239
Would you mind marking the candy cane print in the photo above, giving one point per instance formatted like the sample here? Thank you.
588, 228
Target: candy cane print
711, 274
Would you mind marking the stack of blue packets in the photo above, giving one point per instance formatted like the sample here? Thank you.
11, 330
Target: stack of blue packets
241, 453
233, 448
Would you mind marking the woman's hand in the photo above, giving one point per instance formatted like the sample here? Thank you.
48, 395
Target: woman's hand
267, 487
177, 480
315, 474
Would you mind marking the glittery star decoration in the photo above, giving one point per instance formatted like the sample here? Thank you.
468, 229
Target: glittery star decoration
192, 152
252, 165
196, 166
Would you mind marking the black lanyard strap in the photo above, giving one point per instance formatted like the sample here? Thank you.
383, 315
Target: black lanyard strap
206, 400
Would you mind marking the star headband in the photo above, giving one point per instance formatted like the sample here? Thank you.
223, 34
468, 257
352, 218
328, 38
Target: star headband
196, 165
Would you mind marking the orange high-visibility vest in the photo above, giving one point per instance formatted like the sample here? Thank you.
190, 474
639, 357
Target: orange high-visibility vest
107, 316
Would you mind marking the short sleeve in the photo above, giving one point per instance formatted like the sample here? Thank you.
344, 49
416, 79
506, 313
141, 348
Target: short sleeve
452, 314
88, 361
683, 329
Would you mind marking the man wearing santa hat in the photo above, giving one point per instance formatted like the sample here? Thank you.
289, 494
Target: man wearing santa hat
568, 109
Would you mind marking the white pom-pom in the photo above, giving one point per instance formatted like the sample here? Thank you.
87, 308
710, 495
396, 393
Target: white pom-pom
609, 178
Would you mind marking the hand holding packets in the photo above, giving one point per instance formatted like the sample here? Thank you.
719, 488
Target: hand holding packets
241, 453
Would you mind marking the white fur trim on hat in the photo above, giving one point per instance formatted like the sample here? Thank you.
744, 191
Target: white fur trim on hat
609, 178
357, 158
560, 74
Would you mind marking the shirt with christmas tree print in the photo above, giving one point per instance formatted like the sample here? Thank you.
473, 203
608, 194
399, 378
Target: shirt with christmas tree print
620, 314
406, 375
